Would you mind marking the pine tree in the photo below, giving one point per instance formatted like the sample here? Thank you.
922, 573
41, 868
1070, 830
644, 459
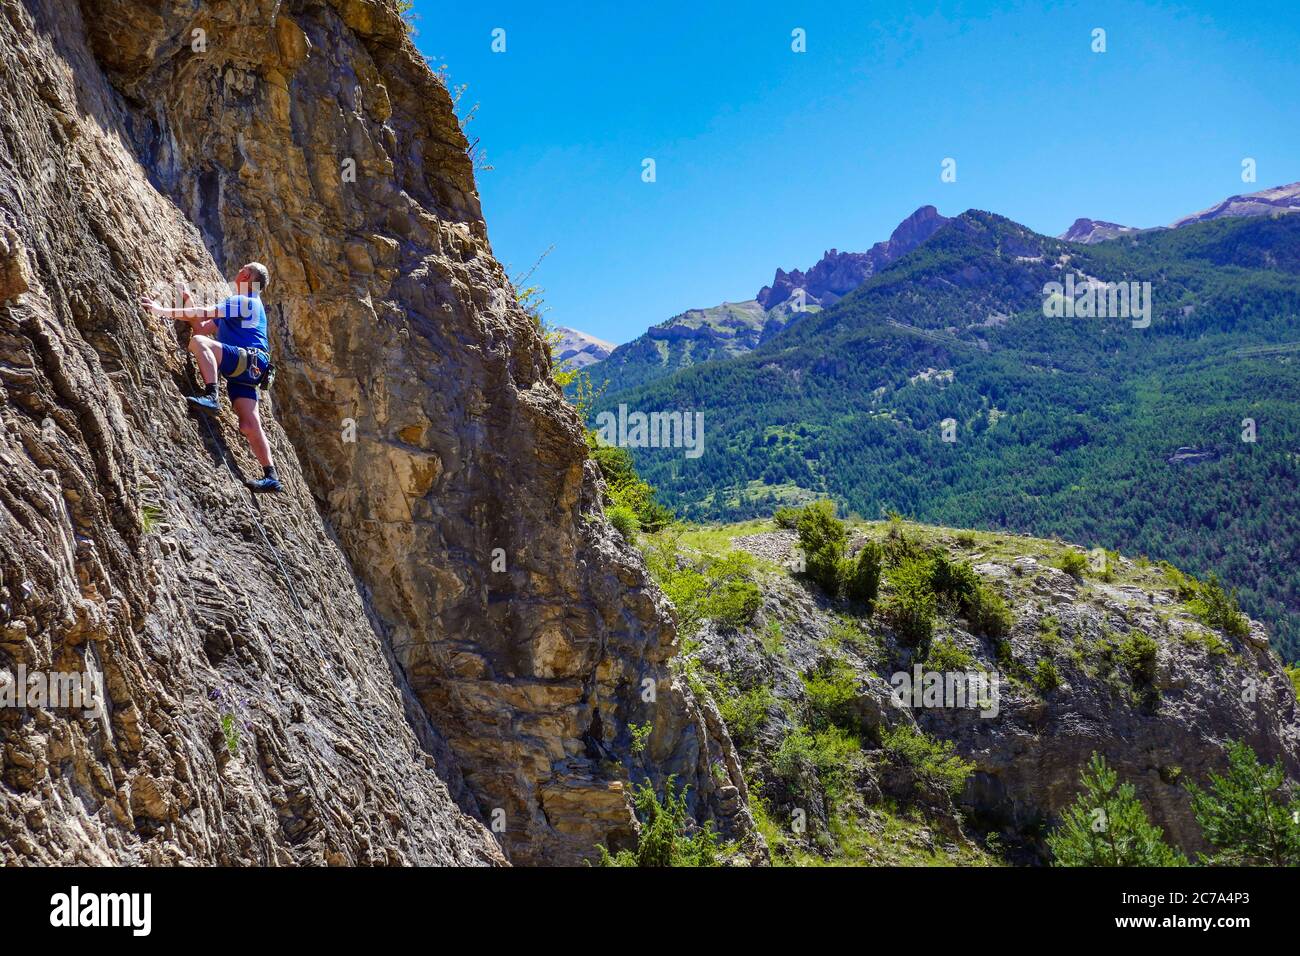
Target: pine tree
1243, 815
1107, 826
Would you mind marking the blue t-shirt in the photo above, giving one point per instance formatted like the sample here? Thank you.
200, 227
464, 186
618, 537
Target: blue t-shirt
241, 321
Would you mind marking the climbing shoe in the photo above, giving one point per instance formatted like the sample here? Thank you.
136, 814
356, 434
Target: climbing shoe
209, 402
262, 485
269, 481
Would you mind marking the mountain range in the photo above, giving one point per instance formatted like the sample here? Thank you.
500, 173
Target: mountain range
1268, 202
735, 328
1178, 440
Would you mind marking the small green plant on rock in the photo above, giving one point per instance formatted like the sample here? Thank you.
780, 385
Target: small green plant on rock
640, 736
935, 762
860, 576
1217, 608
1046, 677
831, 691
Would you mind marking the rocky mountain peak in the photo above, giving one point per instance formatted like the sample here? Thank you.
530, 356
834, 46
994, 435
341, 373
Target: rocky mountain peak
838, 273
1093, 230
1277, 200
575, 349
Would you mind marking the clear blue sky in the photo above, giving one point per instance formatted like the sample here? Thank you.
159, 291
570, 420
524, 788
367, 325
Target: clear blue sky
766, 157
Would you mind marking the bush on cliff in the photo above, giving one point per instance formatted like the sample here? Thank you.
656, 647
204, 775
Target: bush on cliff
822, 537
665, 839
703, 587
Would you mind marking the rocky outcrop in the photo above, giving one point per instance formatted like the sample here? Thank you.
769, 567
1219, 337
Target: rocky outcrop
1160, 725
444, 535
735, 328
1094, 230
1276, 201
837, 273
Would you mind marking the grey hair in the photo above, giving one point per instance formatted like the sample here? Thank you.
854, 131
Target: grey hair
261, 276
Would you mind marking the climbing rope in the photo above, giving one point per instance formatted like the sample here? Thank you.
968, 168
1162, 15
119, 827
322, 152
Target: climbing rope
275, 552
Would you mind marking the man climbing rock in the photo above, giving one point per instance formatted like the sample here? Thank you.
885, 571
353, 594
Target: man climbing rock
230, 338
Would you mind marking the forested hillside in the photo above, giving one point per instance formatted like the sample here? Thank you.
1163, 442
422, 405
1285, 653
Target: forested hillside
1111, 435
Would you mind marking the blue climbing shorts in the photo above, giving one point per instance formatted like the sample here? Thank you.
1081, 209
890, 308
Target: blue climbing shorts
243, 370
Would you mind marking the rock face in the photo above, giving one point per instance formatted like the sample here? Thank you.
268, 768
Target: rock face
443, 530
837, 273
1277, 201
246, 723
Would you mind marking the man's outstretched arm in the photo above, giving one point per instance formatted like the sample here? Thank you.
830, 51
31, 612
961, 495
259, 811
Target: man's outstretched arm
200, 317
188, 313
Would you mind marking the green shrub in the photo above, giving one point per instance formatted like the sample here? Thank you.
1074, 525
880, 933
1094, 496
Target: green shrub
786, 517
745, 712
1073, 563
624, 521
1137, 653
1208, 641
773, 639
911, 606
851, 632
625, 487
1049, 631
150, 516
1293, 672
830, 757
721, 589
1217, 608
988, 613
1046, 677
945, 655
861, 580
640, 736
1185, 585
1107, 826
821, 538
899, 547
831, 691
958, 586
663, 840
934, 761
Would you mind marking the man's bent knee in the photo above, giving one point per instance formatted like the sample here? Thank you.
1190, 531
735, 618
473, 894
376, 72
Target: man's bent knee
202, 343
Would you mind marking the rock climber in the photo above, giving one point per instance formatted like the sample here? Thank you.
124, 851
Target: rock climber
230, 337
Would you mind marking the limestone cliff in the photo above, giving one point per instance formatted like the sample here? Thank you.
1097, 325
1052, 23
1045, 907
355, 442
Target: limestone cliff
456, 635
